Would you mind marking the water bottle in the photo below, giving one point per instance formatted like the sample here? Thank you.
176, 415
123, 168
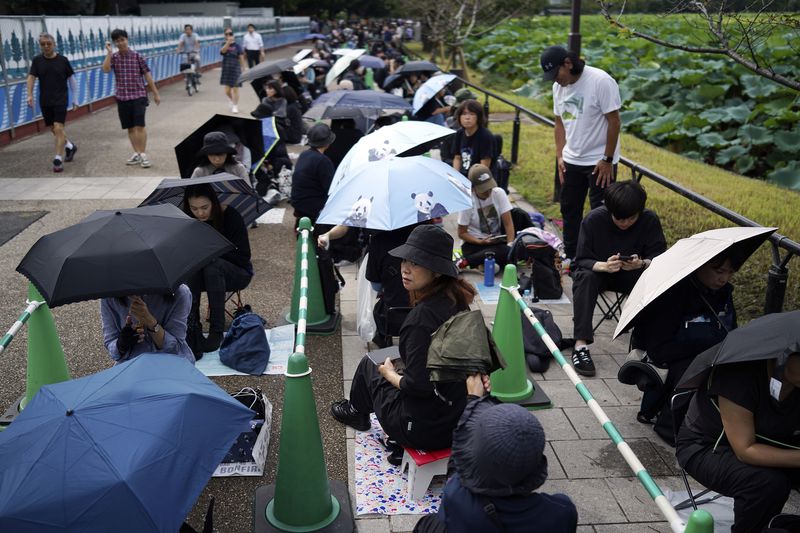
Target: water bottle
526, 297
488, 270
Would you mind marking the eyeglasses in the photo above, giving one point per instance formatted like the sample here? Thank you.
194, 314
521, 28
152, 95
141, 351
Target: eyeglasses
226, 33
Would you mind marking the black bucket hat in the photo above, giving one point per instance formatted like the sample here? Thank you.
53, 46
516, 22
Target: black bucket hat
320, 134
263, 110
499, 450
216, 142
431, 247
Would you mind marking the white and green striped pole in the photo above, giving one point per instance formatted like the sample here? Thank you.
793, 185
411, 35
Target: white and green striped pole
23, 318
700, 521
302, 303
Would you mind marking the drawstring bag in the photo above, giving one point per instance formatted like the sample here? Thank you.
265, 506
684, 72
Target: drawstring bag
245, 347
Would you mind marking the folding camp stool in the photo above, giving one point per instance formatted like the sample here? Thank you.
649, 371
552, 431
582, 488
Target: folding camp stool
233, 303
610, 304
422, 466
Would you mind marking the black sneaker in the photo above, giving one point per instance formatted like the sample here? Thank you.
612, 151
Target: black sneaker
344, 412
58, 166
582, 361
69, 153
394, 451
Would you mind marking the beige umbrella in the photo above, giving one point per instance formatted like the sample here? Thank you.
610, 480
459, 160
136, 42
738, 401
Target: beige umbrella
342, 63
303, 64
683, 258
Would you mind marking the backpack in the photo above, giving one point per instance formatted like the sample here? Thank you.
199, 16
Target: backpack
500, 167
245, 347
544, 277
537, 354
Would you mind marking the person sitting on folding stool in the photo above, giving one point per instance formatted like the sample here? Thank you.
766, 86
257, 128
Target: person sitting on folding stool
616, 243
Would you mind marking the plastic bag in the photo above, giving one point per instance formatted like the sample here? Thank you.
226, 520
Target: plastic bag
365, 321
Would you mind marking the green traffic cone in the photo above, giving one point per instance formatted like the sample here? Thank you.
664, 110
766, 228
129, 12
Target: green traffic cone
46, 362
700, 521
369, 78
317, 319
510, 384
303, 499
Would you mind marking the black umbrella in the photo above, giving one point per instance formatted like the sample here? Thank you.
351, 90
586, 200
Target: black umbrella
373, 103
248, 130
231, 190
773, 336
415, 67
146, 250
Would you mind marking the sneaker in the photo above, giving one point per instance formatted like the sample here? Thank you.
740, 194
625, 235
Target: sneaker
145, 162
344, 412
69, 153
582, 361
135, 159
234, 109
58, 166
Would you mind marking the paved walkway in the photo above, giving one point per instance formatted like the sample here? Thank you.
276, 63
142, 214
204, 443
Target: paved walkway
583, 462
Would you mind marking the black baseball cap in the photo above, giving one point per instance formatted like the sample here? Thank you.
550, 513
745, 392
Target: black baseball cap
552, 58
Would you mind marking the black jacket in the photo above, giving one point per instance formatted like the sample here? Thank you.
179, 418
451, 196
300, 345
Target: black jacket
429, 415
312, 177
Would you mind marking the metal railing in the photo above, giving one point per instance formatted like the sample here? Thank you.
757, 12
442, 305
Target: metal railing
778, 273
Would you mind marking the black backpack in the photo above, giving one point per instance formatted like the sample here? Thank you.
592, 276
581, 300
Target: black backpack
537, 355
544, 277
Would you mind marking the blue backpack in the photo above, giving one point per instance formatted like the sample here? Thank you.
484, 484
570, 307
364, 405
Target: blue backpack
245, 347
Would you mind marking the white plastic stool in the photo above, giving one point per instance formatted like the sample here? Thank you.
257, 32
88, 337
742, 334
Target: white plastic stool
422, 466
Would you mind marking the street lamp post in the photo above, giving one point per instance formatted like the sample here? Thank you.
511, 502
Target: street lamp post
575, 28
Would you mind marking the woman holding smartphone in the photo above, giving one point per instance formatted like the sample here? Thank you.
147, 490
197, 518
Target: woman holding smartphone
232, 66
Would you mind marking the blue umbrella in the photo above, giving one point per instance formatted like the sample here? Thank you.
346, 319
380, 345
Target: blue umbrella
368, 61
364, 99
397, 192
128, 449
270, 135
314, 36
429, 89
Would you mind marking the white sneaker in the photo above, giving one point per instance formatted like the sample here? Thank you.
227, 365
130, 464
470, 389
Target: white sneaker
235, 108
135, 159
145, 162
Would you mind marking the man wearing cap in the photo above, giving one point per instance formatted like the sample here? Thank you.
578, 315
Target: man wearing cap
586, 104
488, 226
313, 174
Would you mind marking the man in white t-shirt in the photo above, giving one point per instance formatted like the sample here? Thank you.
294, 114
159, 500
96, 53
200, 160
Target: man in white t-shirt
586, 104
253, 46
189, 44
487, 226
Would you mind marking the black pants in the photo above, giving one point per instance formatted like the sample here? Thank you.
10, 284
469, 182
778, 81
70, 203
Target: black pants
216, 278
476, 253
758, 493
587, 286
577, 181
253, 57
371, 393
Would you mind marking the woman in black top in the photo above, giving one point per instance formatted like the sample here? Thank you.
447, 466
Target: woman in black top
412, 410
229, 272
473, 143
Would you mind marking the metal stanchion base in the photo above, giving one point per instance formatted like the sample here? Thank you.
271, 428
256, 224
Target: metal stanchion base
342, 524
12, 412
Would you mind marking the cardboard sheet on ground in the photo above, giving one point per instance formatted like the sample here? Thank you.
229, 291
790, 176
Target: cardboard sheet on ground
273, 216
281, 345
380, 487
491, 295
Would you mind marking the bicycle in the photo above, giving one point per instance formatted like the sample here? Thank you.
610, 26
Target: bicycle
190, 70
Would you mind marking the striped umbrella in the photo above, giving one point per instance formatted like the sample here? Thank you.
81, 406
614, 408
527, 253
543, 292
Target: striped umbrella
231, 190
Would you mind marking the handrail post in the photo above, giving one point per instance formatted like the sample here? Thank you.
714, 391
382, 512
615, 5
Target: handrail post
515, 139
486, 106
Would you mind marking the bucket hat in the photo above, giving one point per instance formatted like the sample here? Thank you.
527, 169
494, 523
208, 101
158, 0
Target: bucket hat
263, 110
481, 178
498, 450
431, 247
464, 94
320, 134
216, 142
552, 58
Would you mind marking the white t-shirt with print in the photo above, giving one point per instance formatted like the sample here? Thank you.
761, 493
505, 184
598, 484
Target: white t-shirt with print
492, 208
252, 41
582, 107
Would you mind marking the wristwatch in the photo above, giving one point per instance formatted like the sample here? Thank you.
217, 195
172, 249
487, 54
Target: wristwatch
155, 328
607, 158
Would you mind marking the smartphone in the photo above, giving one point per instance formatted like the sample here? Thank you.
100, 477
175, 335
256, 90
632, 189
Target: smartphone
626, 257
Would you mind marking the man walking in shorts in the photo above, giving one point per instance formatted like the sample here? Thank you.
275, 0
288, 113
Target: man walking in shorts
131, 73
54, 72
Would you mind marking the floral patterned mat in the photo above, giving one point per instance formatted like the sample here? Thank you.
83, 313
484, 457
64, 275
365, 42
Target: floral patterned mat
380, 487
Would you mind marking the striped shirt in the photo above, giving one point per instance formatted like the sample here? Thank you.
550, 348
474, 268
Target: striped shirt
129, 70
